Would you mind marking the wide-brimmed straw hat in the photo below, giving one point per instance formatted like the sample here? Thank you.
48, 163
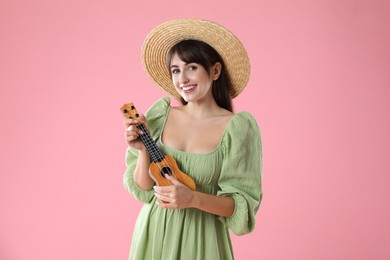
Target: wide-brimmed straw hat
162, 38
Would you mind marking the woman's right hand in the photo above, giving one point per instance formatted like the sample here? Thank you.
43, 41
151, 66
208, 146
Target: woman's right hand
132, 133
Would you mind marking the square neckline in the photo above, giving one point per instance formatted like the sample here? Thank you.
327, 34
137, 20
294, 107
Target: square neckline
190, 153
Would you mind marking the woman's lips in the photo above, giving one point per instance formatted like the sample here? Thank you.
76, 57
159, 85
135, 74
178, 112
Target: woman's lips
188, 88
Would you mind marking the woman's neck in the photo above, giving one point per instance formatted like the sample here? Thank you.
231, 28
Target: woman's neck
203, 109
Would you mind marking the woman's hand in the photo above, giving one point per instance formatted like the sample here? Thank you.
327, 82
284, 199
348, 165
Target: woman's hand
179, 196
132, 132
176, 196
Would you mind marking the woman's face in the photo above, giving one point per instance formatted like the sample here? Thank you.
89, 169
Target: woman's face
191, 80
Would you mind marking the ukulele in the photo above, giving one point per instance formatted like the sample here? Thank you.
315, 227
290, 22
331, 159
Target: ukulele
161, 164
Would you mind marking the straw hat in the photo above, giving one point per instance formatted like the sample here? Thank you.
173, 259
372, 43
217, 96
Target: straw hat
162, 38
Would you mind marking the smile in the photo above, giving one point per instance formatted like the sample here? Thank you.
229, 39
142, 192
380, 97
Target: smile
187, 88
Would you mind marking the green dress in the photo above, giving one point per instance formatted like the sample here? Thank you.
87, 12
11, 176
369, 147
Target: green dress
233, 169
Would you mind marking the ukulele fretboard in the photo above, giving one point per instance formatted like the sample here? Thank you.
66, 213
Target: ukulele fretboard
150, 145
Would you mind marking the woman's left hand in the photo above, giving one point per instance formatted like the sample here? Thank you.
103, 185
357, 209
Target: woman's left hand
176, 196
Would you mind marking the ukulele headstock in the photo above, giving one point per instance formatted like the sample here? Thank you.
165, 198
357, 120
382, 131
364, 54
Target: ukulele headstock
129, 111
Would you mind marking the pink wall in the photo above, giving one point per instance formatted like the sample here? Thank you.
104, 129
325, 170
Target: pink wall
320, 89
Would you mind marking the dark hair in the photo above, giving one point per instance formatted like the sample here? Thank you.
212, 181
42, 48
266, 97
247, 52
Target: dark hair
201, 53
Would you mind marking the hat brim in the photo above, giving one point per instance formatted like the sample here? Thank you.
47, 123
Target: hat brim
162, 38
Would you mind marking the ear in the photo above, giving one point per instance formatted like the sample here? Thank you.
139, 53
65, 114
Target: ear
216, 70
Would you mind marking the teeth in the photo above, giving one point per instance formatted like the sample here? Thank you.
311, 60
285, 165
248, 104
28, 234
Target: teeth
187, 88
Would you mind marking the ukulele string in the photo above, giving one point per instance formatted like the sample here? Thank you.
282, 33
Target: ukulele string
156, 154
145, 139
148, 141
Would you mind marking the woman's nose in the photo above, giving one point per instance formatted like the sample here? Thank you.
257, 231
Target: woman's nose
183, 78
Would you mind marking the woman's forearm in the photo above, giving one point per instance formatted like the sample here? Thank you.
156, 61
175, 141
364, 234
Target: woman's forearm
218, 205
141, 172
179, 196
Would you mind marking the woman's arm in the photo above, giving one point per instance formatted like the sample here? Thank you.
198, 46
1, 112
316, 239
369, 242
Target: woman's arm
179, 196
219, 205
141, 173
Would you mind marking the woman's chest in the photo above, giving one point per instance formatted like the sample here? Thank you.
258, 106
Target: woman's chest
193, 136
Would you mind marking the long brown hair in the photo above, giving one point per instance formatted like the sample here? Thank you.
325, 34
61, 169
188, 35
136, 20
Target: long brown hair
193, 51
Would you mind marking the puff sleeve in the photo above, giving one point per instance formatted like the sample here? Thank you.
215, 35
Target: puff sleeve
241, 172
155, 116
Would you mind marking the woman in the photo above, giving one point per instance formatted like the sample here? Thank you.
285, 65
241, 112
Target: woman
204, 65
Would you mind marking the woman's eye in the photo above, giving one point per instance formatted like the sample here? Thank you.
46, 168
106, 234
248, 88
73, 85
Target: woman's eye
175, 71
193, 67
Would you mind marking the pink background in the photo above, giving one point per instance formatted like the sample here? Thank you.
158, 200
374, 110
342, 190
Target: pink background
320, 90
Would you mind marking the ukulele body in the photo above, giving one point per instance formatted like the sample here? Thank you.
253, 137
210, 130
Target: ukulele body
161, 164
169, 166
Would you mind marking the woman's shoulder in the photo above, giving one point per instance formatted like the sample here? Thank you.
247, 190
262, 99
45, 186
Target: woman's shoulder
158, 109
242, 125
243, 119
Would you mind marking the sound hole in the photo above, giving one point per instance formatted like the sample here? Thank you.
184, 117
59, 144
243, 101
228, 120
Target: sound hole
166, 170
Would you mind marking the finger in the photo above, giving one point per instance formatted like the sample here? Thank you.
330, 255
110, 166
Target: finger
129, 133
134, 129
142, 118
163, 198
173, 179
166, 205
163, 189
161, 204
131, 138
128, 121
131, 127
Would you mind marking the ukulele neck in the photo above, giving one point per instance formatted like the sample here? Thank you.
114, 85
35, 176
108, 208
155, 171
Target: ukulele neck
150, 145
